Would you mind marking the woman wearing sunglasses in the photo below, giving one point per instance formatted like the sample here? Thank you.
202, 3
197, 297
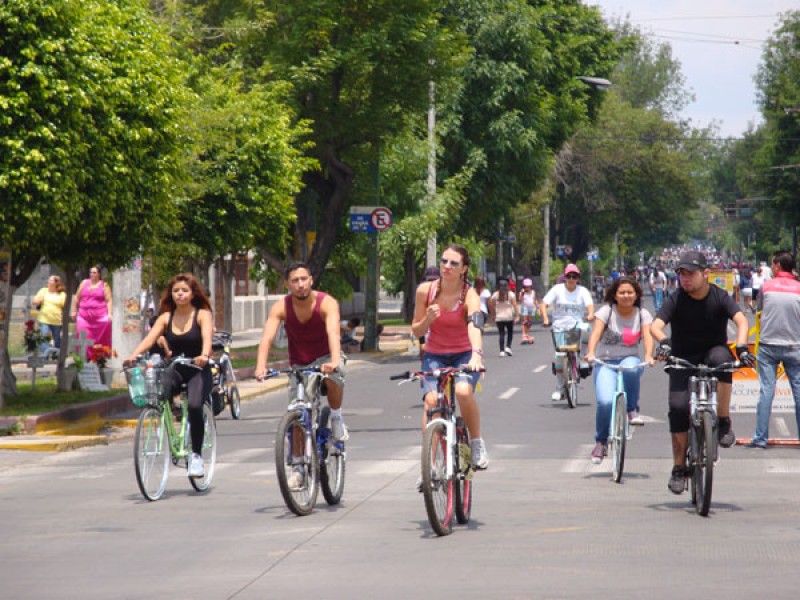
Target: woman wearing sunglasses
448, 313
570, 302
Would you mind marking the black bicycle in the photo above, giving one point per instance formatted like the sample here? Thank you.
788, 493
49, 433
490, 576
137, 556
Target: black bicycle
224, 389
703, 448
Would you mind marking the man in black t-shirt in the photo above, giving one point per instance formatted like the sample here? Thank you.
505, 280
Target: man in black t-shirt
698, 314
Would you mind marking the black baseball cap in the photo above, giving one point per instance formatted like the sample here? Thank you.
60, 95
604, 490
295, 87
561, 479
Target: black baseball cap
692, 261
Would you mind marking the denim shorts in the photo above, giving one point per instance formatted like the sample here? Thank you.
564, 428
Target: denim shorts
431, 362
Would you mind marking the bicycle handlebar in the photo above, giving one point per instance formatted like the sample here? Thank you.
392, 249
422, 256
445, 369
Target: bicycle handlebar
287, 370
676, 362
643, 363
415, 375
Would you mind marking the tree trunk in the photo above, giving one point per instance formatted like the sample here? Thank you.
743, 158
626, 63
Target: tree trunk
66, 320
410, 284
20, 270
227, 267
332, 186
9, 387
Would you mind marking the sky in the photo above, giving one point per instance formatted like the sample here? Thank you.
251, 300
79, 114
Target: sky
718, 43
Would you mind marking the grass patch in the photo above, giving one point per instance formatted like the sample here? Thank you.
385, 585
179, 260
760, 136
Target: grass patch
46, 398
246, 356
393, 322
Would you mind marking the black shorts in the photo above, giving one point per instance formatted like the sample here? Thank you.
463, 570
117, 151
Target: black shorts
679, 385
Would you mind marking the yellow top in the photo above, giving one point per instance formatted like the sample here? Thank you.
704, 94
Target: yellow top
52, 305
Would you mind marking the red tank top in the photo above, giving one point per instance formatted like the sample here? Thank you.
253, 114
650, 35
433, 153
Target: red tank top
307, 341
448, 333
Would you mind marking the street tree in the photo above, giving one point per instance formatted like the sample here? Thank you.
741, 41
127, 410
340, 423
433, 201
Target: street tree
89, 132
357, 70
778, 83
243, 172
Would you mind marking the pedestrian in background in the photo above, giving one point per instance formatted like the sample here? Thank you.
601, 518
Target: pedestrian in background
49, 301
504, 311
483, 293
527, 303
91, 309
779, 342
658, 285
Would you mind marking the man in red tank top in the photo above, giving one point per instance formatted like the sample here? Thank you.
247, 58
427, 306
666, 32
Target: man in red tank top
311, 320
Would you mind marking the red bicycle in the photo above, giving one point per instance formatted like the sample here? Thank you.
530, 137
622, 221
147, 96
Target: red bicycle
446, 457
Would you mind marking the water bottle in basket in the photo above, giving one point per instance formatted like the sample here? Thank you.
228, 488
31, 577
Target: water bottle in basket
136, 386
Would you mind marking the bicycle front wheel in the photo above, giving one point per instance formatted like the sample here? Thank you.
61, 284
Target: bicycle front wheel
571, 380
208, 451
703, 472
619, 438
299, 491
232, 393
332, 465
437, 489
464, 472
151, 453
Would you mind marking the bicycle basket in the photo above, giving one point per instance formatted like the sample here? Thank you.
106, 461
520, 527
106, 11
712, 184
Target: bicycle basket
147, 392
567, 340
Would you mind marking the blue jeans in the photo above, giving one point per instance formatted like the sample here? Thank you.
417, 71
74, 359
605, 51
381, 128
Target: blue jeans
55, 333
768, 358
605, 387
658, 298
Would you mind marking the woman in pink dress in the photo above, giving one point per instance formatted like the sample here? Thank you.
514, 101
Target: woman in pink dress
92, 308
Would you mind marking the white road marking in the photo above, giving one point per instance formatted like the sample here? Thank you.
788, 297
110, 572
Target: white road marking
508, 393
540, 368
782, 427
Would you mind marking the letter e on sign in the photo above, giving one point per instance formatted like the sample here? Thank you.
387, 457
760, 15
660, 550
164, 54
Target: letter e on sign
381, 219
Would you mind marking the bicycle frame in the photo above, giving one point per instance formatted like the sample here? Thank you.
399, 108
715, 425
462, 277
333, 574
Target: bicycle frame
446, 406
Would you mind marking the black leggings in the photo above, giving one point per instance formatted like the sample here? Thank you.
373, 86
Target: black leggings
679, 385
508, 327
198, 387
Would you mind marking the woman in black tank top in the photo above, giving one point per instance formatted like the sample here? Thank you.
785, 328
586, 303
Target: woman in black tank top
185, 321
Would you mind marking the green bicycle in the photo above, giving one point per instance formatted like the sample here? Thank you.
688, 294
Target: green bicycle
158, 437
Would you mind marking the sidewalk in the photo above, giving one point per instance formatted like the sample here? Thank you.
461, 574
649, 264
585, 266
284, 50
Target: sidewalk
94, 423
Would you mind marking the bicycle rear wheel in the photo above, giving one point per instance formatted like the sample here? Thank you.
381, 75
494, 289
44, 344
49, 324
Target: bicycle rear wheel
703, 471
299, 499
619, 437
151, 453
208, 451
571, 380
464, 472
232, 393
437, 489
332, 465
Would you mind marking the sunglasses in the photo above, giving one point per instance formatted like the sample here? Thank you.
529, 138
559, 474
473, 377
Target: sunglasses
572, 276
453, 263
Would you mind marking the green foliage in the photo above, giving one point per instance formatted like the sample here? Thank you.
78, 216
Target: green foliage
521, 98
90, 100
778, 82
245, 166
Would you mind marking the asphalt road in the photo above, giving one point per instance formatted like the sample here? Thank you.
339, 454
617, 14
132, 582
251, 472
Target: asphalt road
546, 522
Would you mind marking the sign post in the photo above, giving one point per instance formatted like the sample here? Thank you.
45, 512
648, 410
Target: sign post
371, 220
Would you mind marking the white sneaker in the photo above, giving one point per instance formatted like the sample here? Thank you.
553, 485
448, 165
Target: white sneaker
196, 467
480, 459
635, 418
502, 353
297, 479
556, 396
508, 351
339, 429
